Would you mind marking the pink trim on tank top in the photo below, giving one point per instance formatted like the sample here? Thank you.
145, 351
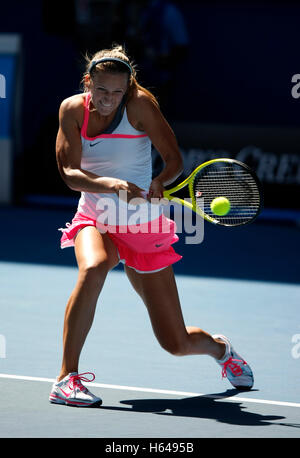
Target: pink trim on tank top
86, 120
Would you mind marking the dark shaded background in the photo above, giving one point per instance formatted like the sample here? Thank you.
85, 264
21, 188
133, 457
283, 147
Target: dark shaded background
235, 71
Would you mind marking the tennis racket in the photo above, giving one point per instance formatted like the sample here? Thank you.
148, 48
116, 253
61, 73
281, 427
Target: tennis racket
222, 177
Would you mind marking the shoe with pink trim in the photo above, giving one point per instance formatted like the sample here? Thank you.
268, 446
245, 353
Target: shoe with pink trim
234, 367
71, 392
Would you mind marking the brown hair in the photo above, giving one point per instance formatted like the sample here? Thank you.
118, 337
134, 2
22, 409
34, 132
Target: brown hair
117, 51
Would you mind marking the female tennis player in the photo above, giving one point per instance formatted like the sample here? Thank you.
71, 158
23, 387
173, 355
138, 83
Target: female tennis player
104, 152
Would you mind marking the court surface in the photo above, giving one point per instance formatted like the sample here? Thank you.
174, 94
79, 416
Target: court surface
243, 284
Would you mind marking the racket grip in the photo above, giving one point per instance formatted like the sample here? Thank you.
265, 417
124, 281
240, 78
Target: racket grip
144, 194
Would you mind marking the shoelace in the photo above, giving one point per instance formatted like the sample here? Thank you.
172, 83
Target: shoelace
75, 381
233, 366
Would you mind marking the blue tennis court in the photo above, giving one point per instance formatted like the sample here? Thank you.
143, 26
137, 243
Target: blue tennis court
147, 392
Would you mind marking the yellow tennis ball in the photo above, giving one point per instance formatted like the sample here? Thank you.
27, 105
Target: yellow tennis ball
220, 206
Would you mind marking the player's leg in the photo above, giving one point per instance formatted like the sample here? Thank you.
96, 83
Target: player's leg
159, 293
96, 255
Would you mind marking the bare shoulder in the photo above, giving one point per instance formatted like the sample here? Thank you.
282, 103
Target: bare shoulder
140, 100
140, 107
71, 114
73, 102
72, 108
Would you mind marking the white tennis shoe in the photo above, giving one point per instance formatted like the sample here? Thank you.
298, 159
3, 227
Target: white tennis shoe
70, 391
234, 367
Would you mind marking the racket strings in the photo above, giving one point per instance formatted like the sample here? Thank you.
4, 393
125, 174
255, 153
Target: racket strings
233, 182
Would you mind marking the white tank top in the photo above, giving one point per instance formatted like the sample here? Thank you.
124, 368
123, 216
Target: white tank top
125, 153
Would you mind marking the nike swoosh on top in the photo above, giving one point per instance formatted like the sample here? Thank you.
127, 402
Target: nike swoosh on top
93, 144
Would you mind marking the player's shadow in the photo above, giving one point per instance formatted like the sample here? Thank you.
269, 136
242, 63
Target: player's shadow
208, 406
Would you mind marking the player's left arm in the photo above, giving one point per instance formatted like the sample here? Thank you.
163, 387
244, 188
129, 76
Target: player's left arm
150, 119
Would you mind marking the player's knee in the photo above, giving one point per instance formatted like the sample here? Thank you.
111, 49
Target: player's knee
175, 347
94, 271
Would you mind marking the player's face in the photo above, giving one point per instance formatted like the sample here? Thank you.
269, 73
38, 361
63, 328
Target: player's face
107, 91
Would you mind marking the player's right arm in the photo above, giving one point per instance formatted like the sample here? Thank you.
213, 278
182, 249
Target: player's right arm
69, 151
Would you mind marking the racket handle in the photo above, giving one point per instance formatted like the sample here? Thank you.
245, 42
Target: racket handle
144, 194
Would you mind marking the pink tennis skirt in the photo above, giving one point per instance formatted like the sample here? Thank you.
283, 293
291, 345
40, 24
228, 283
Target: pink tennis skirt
145, 247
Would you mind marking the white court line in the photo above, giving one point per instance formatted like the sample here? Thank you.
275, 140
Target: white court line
153, 390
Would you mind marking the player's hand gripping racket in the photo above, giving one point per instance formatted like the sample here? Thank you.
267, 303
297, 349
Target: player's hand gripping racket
226, 178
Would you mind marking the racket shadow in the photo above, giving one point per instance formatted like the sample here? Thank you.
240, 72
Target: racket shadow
209, 406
